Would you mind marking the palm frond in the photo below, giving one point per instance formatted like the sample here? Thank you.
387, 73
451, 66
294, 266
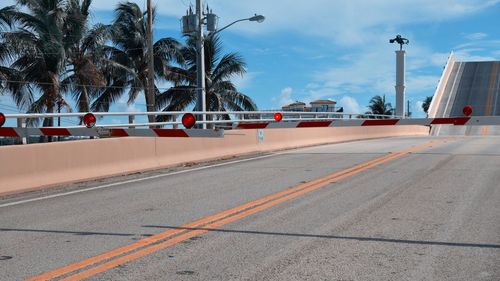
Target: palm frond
229, 66
108, 96
176, 98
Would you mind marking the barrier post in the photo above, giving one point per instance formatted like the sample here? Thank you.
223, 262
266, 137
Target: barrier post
21, 123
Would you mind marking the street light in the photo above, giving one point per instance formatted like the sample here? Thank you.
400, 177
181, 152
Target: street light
193, 23
257, 18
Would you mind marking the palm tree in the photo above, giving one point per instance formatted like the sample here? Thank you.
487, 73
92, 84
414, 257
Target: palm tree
129, 58
378, 105
47, 46
85, 55
221, 93
36, 49
427, 103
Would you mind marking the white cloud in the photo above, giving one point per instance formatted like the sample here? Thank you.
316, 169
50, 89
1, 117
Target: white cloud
284, 98
245, 81
348, 22
418, 106
373, 70
137, 106
350, 105
439, 59
422, 83
476, 36
478, 50
474, 54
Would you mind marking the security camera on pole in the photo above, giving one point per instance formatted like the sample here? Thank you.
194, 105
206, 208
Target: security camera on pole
400, 75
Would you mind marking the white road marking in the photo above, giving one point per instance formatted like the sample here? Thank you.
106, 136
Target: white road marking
134, 180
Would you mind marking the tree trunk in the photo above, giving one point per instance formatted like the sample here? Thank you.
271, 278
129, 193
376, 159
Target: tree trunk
149, 93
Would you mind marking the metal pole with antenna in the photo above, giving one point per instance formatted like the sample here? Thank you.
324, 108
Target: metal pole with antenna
201, 104
192, 24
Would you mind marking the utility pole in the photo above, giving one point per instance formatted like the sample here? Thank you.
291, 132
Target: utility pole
150, 89
200, 62
192, 24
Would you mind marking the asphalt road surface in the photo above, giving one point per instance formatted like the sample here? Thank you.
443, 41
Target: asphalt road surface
389, 209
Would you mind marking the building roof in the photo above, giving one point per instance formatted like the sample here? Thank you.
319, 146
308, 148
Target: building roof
323, 102
296, 103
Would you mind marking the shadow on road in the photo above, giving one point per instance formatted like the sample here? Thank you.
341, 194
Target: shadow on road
364, 239
83, 233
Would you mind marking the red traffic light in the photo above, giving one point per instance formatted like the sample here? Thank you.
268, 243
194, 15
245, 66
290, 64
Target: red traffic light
89, 120
467, 110
188, 120
278, 116
2, 119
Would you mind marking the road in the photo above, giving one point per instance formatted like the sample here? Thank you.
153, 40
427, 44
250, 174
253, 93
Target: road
422, 208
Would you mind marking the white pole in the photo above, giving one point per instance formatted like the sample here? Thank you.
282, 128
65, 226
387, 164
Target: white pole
400, 83
200, 63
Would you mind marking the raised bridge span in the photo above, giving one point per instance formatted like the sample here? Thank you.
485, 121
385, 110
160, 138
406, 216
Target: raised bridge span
468, 83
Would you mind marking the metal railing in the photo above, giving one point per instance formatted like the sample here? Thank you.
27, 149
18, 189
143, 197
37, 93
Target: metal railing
236, 117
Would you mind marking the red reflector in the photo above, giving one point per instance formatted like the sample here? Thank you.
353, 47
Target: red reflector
454, 121
188, 120
8, 132
55, 132
467, 110
278, 116
309, 124
383, 122
173, 133
2, 119
89, 120
253, 126
118, 133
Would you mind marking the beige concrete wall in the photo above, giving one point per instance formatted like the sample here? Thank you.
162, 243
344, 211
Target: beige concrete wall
37, 166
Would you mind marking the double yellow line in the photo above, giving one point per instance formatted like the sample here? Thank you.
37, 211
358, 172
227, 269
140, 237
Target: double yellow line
94, 265
491, 90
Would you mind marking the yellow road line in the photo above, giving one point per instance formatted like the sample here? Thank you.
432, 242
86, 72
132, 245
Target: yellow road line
155, 243
491, 90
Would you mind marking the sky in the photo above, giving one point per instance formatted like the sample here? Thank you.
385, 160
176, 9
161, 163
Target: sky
337, 49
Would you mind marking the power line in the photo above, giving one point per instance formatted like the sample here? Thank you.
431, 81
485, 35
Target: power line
129, 49
81, 85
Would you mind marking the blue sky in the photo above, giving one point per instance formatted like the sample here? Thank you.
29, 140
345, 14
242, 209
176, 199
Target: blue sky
324, 49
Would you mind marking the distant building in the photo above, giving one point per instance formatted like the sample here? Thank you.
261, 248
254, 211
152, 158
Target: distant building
323, 106
296, 106
316, 106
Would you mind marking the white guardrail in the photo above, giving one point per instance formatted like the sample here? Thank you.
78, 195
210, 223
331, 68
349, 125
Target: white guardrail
237, 117
239, 120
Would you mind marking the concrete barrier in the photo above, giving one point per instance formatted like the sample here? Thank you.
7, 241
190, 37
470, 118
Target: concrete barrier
36, 166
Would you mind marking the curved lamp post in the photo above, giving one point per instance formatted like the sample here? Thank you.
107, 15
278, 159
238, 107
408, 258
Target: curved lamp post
193, 23
257, 18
